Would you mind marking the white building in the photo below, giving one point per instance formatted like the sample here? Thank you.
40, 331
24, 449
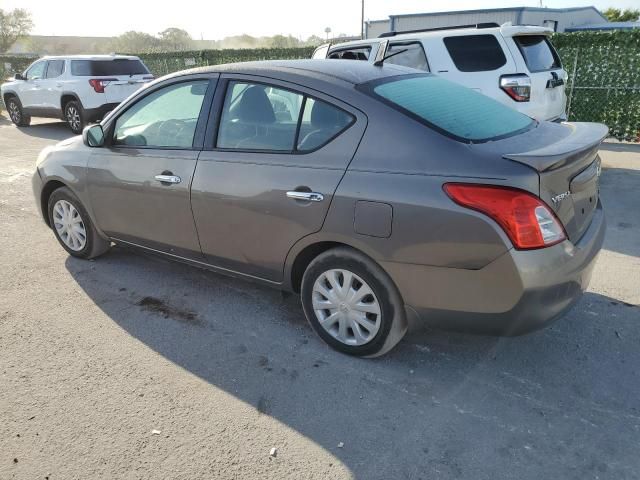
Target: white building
559, 19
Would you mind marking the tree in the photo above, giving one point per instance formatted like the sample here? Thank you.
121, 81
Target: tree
280, 41
617, 15
136, 42
176, 39
313, 41
13, 25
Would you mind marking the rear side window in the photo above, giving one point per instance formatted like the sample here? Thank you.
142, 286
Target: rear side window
411, 55
475, 53
538, 52
320, 123
102, 68
55, 68
361, 53
449, 108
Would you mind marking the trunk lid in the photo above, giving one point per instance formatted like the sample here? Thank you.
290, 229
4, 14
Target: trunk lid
122, 86
569, 171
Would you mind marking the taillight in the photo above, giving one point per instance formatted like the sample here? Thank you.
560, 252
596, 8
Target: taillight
525, 218
98, 84
518, 87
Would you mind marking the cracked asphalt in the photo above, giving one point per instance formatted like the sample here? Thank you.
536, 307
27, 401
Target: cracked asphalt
134, 367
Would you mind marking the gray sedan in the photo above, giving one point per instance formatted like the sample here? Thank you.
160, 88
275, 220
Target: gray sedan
375, 192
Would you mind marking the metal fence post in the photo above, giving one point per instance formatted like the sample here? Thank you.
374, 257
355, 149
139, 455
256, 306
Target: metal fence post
573, 82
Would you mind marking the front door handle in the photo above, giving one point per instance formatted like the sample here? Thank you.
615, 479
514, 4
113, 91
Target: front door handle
168, 178
306, 196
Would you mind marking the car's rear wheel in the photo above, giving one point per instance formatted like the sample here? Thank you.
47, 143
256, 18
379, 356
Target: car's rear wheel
352, 304
73, 227
74, 116
16, 113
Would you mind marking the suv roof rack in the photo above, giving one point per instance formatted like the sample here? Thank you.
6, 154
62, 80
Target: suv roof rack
453, 27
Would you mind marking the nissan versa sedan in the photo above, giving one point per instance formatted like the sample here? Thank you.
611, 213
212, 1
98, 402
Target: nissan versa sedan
377, 193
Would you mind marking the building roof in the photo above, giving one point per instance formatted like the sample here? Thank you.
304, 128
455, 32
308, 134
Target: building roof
605, 26
504, 9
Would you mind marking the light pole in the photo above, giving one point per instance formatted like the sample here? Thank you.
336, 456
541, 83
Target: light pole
327, 31
362, 22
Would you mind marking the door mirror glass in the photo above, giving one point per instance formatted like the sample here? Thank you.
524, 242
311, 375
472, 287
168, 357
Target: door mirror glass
93, 136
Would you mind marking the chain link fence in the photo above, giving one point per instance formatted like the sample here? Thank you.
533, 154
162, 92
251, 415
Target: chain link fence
603, 84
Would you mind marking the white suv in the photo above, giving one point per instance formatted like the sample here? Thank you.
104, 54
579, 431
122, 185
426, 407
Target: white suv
516, 65
79, 88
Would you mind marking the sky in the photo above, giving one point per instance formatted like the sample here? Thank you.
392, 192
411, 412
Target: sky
216, 19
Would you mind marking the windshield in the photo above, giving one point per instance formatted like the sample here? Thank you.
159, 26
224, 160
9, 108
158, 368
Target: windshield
449, 108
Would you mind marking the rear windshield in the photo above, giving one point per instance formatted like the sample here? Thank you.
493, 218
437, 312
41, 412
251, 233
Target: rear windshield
101, 68
449, 108
538, 52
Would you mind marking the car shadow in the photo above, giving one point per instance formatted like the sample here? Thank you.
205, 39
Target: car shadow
50, 130
558, 403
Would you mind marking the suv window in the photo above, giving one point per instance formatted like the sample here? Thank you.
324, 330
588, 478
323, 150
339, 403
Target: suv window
538, 52
413, 57
358, 53
101, 68
475, 53
261, 117
55, 68
164, 118
36, 70
449, 108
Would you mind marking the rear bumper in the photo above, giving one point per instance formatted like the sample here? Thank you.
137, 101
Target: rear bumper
519, 292
98, 113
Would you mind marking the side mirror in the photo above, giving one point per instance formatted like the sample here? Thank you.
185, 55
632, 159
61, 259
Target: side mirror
93, 136
19, 76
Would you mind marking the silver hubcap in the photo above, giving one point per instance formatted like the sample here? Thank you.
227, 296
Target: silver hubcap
73, 117
14, 112
346, 307
69, 225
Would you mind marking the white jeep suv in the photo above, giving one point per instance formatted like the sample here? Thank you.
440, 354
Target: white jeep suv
516, 65
79, 89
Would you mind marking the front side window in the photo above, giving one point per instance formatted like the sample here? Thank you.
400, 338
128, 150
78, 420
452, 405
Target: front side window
449, 108
537, 52
475, 53
267, 118
411, 55
166, 118
55, 68
36, 71
360, 53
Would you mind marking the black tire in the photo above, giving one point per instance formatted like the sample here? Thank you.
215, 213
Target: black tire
95, 245
16, 113
74, 116
393, 321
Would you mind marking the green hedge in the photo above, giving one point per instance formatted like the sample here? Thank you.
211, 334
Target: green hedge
603, 67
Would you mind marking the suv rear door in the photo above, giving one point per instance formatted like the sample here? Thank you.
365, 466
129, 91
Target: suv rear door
546, 73
117, 78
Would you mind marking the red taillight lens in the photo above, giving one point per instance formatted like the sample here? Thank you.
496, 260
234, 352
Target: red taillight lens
98, 84
518, 87
526, 219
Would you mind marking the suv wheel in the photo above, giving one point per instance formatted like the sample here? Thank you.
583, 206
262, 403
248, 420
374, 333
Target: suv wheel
74, 116
17, 115
352, 304
73, 227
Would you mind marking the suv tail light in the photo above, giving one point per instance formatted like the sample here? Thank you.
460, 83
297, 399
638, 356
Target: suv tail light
526, 219
518, 87
98, 84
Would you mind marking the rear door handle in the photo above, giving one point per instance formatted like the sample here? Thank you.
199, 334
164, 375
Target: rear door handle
306, 196
168, 178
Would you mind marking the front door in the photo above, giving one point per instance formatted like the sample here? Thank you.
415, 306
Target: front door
31, 95
268, 176
139, 182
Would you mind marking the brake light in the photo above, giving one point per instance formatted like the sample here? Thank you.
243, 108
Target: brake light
98, 84
524, 217
518, 87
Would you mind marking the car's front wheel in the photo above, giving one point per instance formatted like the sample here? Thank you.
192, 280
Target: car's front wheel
74, 116
352, 304
16, 113
73, 227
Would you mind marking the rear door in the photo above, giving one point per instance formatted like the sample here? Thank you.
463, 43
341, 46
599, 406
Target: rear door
51, 86
548, 98
273, 159
138, 183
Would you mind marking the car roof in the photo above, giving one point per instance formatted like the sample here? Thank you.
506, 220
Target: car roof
329, 70
89, 57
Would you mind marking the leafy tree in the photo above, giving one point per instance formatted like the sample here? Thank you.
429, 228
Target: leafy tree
617, 15
314, 41
280, 41
175, 39
13, 25
136, 42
